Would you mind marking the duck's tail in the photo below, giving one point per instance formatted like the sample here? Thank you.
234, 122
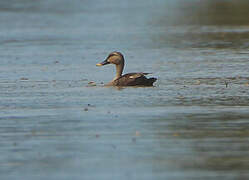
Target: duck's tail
151, 81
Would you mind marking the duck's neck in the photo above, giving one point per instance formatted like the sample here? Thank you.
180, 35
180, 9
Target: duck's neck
119, 70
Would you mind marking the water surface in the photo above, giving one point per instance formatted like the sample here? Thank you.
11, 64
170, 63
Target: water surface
192, 125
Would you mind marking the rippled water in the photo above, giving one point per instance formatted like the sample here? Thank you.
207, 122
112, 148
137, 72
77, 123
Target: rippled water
192, 125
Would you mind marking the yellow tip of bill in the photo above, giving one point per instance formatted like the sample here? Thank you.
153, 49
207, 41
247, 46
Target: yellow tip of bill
99, 64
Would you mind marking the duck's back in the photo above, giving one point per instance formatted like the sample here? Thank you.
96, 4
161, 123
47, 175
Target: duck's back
133, 79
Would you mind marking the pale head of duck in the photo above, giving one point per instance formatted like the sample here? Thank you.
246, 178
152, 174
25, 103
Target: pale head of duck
116, 58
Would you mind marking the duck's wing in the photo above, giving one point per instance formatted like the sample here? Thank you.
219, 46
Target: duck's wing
136, 75
133, 79
133, 75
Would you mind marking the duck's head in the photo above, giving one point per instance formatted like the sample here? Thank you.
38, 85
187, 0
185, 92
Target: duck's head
116, 58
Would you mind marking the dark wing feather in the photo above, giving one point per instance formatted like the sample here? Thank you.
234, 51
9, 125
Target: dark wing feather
134, 79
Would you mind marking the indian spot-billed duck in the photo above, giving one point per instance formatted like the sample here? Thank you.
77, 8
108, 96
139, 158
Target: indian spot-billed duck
130, 79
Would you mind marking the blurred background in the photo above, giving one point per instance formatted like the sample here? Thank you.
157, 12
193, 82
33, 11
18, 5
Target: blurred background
193, 124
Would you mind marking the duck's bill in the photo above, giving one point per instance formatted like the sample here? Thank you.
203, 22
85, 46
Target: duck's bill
103, 63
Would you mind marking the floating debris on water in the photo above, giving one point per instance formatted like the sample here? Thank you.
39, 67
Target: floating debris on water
91, 105
180, 97
226, 83
134, 139
175, 134
91, 83
197, 82
137, 133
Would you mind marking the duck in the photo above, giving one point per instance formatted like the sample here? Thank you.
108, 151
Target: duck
130, 79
